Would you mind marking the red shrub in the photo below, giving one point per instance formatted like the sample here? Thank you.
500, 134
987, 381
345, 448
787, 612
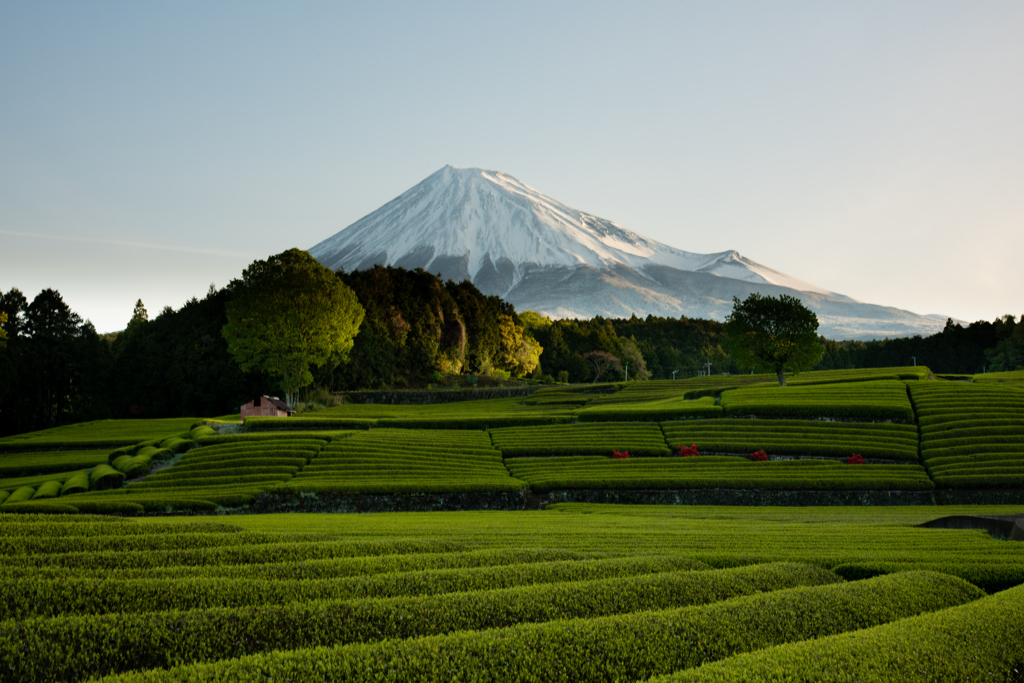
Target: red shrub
760, 456
620, 455
688, 451
855, 459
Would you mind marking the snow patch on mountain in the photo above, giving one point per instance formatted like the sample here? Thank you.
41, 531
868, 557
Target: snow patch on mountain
541, 255
484, 218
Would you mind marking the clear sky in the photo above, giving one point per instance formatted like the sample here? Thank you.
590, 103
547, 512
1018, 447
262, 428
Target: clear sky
872, 148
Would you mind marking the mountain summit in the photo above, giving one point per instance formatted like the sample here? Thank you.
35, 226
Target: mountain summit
541, 255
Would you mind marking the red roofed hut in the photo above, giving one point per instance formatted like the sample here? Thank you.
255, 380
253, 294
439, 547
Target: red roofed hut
266, 406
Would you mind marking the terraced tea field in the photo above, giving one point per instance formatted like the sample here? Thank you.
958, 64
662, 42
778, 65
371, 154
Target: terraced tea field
574, 593
888, 431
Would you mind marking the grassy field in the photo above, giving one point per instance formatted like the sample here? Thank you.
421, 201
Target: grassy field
573, 593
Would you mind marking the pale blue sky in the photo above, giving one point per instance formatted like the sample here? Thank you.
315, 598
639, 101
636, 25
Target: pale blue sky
873, 148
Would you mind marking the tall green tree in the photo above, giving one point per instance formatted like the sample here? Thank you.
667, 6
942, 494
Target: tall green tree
287, 313
779, 333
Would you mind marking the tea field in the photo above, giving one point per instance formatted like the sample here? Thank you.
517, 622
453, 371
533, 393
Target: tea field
896, 434
133, 551
571, 593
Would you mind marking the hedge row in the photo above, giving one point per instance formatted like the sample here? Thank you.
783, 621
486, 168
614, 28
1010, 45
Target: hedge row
266, 424
474, 422
48, 462
98, 645
239, 470
743, 444
338, 567
989, 576
979, 641
652, 411
878, 399
68, 595
981, 442
233, 554
14, 547
211, 481
407, 461
242, 438
622, 647
396, 485
604, 437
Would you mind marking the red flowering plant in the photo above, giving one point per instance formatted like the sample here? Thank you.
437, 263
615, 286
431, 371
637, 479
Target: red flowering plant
855, 459
688, 451
759, 456
620, 455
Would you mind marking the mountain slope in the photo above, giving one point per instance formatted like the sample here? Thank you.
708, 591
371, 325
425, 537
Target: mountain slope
542, 255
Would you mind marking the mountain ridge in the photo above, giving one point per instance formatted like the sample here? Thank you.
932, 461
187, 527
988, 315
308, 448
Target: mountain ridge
540, 254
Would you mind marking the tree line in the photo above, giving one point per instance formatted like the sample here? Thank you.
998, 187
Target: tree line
415, 327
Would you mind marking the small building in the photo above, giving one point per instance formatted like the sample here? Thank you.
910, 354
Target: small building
266, 406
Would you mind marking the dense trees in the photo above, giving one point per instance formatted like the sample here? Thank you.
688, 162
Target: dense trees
55, 369
980, 346
178, 364
53, 366
287, 313
417, 325
778, 333
663, 345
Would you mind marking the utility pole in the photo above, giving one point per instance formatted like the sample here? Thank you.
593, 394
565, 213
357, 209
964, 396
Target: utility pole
627, 370
674, 374
708, 366
915, 360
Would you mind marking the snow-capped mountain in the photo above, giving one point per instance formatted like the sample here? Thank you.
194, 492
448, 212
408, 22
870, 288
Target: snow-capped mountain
541, 255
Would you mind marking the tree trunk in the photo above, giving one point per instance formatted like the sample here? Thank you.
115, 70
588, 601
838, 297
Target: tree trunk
782, 377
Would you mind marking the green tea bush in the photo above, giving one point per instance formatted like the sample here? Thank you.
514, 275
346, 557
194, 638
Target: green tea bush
49, 462
108, 643
50, 489
711, 472
20, 495
979, 641
76, 484
622, 647
264, 424
872, 400
105, 477
579, 439
797, 437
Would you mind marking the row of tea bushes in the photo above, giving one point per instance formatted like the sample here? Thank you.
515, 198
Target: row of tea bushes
972, 436
652, 411
575, 439
95, 435
103, 644
796, 437
711, 472
49, 462
630, 646
406, 460
877, 400
978, 641
73, 595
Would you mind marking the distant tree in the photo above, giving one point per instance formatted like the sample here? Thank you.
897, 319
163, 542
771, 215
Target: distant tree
780, 333
139, 315
1008, 354
288, 313
601, 362
631, 354
3, 332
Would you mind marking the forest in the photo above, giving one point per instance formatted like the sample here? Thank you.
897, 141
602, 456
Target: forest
56, 369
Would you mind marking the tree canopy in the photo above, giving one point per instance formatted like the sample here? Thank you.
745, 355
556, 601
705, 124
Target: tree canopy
288, 313
780, 333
